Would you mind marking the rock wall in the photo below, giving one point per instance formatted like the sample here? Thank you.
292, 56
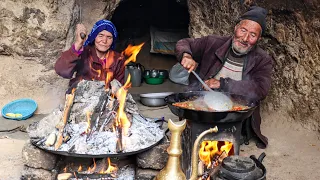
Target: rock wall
36, 29
292, 39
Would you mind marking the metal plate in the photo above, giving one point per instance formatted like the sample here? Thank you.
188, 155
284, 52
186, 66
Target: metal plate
65, 153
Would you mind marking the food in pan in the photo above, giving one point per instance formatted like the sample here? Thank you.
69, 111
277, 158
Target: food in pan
200, 105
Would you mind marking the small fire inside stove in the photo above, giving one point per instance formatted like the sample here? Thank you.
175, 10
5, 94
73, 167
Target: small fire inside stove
97, 169
210, 150
211, 154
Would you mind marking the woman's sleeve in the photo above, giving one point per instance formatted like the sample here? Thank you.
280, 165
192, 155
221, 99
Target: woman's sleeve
66, 64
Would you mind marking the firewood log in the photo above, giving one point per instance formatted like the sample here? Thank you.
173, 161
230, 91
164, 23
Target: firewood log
66, 113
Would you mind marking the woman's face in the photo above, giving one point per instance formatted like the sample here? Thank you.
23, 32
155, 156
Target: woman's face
103, 41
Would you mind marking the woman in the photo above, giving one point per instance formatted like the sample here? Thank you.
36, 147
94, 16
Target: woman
94, 58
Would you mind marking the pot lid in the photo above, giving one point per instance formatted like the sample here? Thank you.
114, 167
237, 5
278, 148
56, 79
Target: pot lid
238, 164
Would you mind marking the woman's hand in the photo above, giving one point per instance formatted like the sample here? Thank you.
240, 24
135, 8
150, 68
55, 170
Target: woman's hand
79, 41
213, 83
188, 63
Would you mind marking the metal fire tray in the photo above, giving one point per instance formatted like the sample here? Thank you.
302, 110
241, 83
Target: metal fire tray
66, 153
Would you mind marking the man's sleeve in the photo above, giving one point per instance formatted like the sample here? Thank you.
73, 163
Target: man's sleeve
194, 47
256, 87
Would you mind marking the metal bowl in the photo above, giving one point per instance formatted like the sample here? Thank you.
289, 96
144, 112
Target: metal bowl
154, 99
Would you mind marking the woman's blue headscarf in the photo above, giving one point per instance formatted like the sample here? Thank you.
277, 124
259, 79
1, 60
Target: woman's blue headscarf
100, 26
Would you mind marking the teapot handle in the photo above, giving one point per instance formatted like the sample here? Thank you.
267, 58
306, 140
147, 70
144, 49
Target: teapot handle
141, 67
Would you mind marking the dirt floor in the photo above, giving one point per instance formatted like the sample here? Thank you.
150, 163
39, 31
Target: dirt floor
293, 153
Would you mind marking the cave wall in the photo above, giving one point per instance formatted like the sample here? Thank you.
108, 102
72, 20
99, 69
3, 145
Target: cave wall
36, 29
292, 39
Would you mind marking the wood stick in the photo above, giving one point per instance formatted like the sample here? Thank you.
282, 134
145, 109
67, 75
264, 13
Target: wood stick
94, 176
216, 164
98, 111
111, 115
119, 139
66, 114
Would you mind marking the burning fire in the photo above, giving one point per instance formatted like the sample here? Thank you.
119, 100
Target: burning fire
109, 62
80, 168
132, 52
106, 168
87, 131
109, 77
112, 168
96, 71
211, 149
122, 119
91, 170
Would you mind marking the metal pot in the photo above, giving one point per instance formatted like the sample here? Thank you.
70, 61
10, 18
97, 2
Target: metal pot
240, 167
154, 99
154, 73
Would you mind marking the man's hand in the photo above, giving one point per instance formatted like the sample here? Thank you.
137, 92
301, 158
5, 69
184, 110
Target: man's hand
188, 63
79, 41
213, 83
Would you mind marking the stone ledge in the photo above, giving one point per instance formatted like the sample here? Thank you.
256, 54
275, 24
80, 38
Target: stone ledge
37, 158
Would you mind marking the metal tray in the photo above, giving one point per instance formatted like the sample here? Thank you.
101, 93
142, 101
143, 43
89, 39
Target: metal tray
65, 153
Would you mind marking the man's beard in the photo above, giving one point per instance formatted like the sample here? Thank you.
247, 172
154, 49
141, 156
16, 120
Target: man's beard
239, 50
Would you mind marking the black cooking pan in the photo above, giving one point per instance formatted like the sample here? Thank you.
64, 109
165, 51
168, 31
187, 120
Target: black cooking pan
72, 154
209, 116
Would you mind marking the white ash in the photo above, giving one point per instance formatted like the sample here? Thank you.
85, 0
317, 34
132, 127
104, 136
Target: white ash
87, 96
142, 134
124, 173
130, 106
86, 99
45, 126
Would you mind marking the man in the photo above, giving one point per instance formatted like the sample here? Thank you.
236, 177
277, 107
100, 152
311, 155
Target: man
93, 58
233, 64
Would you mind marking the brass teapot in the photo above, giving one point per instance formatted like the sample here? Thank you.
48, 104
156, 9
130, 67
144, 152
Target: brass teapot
173, 168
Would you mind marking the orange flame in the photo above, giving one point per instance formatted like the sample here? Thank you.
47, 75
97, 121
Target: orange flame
91, 170
96, 71
122, 119
109, 62
73, 90
109, 77
132, 52
226, 147
65, 169
209, 149
80, 168
89, 121
112, 168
